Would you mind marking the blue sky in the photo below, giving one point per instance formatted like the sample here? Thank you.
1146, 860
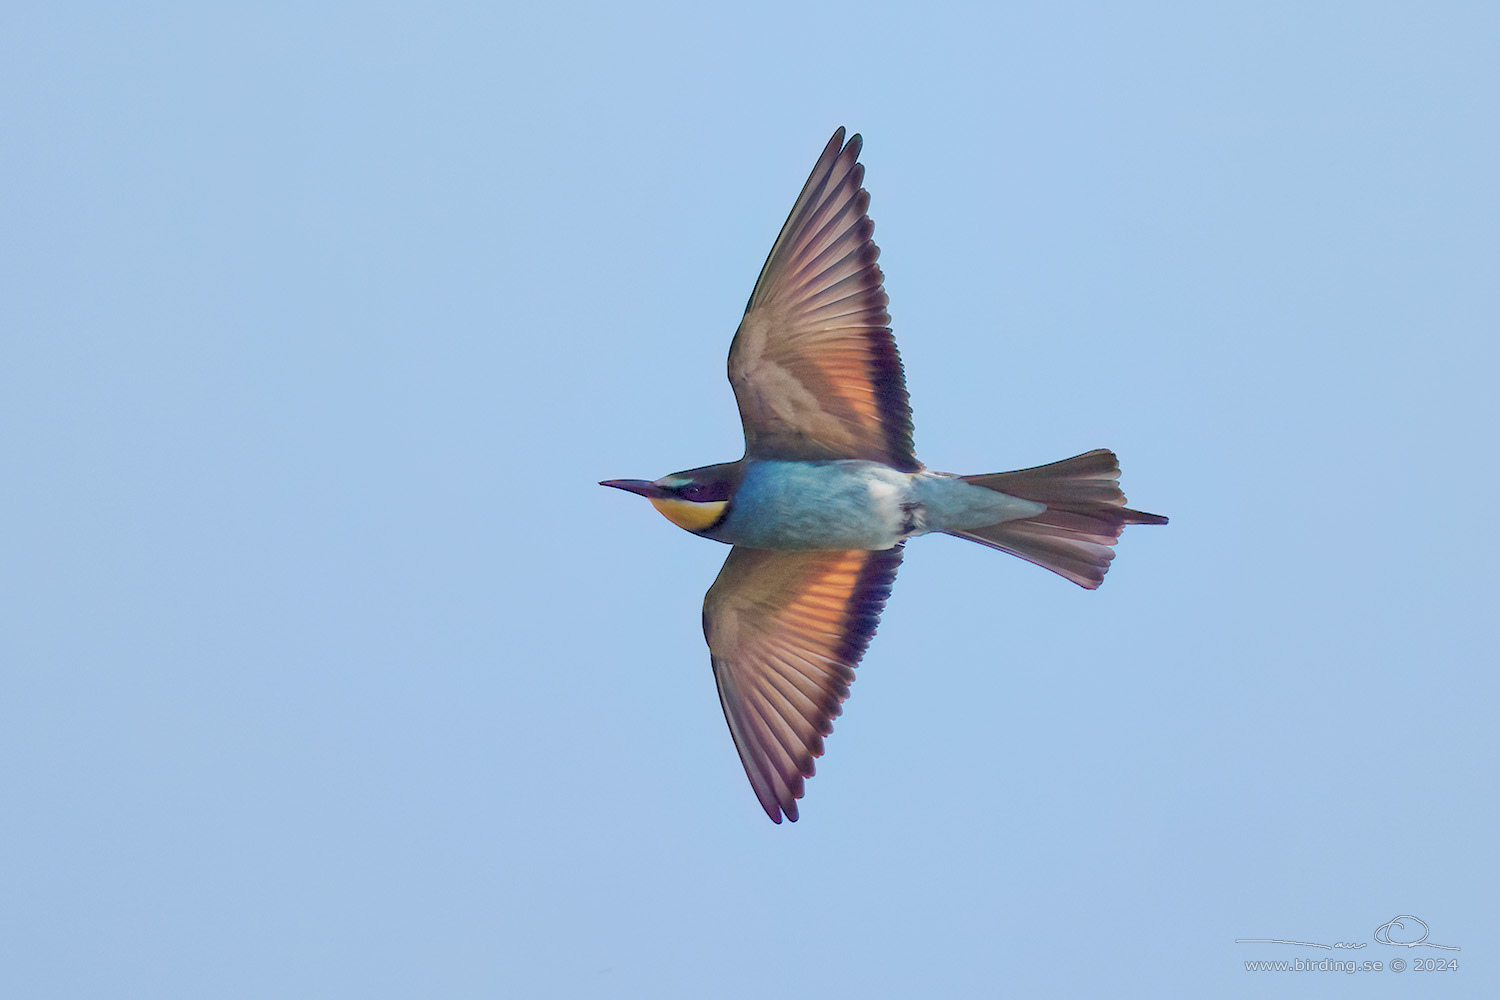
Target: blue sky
329, 671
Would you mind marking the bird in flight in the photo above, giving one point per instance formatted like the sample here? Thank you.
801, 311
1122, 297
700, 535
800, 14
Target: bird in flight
821, 505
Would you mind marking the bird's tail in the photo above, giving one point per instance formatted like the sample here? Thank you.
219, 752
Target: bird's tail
1075, 535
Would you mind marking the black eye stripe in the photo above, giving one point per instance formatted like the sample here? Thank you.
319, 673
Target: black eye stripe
704, 492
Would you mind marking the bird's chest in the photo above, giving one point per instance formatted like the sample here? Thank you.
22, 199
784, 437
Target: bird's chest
821, 505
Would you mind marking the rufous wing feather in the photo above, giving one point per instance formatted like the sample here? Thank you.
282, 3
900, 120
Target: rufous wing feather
813, 365
785, 630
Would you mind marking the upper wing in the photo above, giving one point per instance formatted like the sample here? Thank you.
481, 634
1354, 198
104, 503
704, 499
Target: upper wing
813, 364
785, 631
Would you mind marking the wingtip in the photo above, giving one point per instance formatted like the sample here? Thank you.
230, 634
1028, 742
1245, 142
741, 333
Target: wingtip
775, 811
839, 143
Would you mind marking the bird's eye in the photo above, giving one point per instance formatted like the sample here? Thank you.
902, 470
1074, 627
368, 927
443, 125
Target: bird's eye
692, 491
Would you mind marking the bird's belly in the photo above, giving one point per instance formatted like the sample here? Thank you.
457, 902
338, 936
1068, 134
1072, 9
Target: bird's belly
819, 505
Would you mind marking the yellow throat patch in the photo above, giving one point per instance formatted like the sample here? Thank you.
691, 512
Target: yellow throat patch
689, 515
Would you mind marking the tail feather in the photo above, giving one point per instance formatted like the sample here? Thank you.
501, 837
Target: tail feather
1075, 535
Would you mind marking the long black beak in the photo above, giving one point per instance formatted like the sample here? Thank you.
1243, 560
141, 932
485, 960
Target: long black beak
640, 486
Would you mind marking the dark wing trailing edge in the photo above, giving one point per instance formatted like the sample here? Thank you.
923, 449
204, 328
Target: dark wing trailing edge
785, 631
813, 364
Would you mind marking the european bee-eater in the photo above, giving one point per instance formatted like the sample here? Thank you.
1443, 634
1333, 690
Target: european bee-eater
828, 490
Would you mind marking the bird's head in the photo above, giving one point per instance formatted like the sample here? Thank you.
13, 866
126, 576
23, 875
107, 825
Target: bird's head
695, 500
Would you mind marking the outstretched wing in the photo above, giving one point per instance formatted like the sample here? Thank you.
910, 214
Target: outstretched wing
813, 364
785, 631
